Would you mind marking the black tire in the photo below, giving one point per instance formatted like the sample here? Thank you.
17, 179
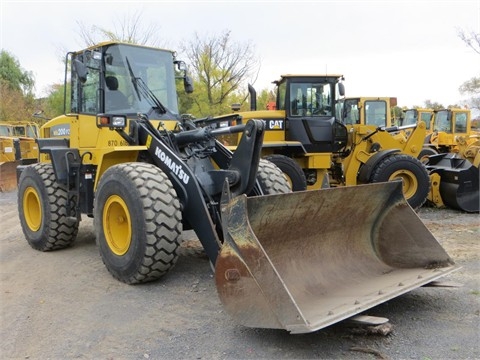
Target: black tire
138, 222
425, 153
42, 208
272, 180
291, 169
416, 182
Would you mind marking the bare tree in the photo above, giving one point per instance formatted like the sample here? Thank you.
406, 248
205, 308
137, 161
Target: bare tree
472, 86
472, 39
129, 29
220, 67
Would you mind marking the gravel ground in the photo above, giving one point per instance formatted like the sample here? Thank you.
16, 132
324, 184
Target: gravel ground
65, 305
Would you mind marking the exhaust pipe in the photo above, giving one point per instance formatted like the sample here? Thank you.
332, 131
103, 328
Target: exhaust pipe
253, 97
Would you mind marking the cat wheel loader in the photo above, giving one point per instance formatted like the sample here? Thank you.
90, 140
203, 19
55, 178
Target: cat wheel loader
282, 259
320, 140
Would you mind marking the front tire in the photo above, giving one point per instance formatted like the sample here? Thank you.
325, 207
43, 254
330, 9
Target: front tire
414, 175
272, 179
42, 208
137, 222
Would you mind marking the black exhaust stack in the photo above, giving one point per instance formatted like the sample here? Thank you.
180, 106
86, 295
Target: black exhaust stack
253, 98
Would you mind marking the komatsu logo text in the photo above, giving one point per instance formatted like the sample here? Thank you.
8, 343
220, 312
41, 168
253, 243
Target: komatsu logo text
172, 165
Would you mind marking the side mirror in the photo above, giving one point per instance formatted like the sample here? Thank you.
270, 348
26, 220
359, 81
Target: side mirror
188, 84
341, 89
81, 70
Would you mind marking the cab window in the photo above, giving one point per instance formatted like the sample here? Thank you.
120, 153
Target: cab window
461, 122
376, 113
310, 99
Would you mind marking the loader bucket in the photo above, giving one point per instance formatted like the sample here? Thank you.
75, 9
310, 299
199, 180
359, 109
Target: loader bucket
459, 181
305, 260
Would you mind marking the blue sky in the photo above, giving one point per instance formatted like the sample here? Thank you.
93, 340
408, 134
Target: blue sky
407, 49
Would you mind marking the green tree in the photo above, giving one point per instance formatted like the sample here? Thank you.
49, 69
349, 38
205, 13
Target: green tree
220, 70
13, 76
433, 105
16, 90
53, 105
265, 98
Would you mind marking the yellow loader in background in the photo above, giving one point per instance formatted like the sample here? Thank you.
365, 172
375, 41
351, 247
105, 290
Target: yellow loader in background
454, 160
284, 260
17, 147
451, 152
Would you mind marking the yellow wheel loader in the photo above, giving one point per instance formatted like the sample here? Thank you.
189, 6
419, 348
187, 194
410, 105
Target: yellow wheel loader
17, 147
144, 173
453, 160
451, 155
320, 140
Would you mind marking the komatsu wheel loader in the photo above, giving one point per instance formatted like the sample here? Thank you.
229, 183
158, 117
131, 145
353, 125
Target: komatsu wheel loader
319, 139
281, 259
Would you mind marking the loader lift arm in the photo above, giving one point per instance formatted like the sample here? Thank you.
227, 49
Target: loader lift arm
199, 191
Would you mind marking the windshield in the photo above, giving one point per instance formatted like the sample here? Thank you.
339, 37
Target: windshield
135, 77
442, 122
411, 117
350, 112
310, 99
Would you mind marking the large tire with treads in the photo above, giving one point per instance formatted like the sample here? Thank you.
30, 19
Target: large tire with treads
291, 169
42, 208
272, 179
138, 222
414, 175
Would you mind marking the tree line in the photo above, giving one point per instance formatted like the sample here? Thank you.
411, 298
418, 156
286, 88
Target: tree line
220, 67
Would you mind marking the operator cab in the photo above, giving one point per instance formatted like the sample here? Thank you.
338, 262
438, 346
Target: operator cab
310, 105
126, 79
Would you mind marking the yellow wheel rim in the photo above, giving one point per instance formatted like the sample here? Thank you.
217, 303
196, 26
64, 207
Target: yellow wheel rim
424, 159
117, 225
289, 180
32, 209
409, 182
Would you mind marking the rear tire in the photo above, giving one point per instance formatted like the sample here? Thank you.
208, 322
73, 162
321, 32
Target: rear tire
291, 169
42, 208
416, 182
137, 222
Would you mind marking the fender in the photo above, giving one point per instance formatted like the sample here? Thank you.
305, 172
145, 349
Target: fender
366, 170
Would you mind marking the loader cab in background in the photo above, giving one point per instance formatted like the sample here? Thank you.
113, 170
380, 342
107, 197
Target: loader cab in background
452, 121
412, 116
309, 105
451, 127
370, 111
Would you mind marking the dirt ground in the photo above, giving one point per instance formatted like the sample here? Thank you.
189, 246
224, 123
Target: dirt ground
65, 305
